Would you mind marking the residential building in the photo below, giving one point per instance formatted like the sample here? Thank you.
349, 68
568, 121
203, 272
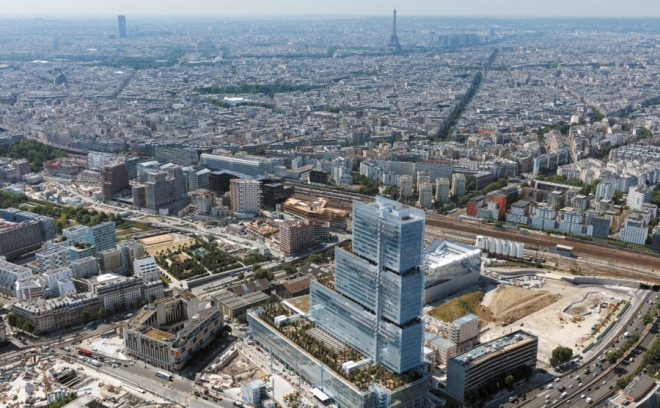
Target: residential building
297, 235
58, 313
168, 332
114, 178
442, 191
245, 196
605, 190
101, 236
10, 274
52, 258
423, 176
406, 185
464, 332
130, 251
634, 231
19, 239
477, 367
50, 281
146, 269
556, 199
110, 262
458, 185
425, 191
639, 195
115, 291
450, 267
84, 267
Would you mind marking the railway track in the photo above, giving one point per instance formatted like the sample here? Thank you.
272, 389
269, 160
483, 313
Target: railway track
647, 265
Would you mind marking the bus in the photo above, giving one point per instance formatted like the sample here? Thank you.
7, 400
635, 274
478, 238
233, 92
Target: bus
163, 374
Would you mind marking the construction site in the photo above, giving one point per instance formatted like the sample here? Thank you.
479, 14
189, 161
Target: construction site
43, 378
558, 313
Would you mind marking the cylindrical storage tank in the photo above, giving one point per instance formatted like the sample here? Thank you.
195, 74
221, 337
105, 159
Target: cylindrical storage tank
498, 246
513, 248
520, 250
479, 242
492, 247
505, 248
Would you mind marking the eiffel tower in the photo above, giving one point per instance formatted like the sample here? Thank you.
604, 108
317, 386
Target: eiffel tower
394, 39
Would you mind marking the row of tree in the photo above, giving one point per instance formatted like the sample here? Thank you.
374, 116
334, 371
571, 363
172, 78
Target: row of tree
35, 152
19, 322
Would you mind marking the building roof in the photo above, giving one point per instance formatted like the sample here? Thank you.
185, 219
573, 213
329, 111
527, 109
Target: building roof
486, 349
297, 284
158, 335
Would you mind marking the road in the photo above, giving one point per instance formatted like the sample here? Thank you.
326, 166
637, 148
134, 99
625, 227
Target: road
537, 398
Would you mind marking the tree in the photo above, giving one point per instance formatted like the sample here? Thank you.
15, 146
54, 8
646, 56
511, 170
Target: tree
289, 269
28, 327
647, 318
561, 355
120, 331
12, 319
509, 380
101, 312
85, 314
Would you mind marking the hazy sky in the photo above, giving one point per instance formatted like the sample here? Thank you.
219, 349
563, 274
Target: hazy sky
575, 8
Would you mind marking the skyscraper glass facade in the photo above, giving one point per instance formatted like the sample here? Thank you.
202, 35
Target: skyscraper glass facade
378, 294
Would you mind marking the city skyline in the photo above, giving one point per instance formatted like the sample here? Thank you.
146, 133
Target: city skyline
478, 8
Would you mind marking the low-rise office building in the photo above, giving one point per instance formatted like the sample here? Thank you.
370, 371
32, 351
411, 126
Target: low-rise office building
167, 333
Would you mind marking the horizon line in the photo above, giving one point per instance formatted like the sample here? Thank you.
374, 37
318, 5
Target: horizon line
207, 16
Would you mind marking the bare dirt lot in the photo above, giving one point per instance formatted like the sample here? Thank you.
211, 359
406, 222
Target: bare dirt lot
511, 303
157, 239
550, 323
172, 246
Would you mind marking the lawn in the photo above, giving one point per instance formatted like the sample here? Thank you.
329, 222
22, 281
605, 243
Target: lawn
459, 307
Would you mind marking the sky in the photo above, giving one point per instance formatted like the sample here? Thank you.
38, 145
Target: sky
526, 8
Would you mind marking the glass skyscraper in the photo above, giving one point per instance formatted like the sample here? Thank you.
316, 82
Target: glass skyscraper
378, 290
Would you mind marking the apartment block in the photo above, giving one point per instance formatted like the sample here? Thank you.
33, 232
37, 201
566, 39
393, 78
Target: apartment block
639, 195
458, 184
146, 269
58, 313
297, 235
425, 191
634, 231
52, 258
116, 291
84, 267
245, 196
442, 191
10, 274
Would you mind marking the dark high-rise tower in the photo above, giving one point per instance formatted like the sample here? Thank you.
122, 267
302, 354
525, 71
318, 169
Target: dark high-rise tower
394, 39
122, 26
